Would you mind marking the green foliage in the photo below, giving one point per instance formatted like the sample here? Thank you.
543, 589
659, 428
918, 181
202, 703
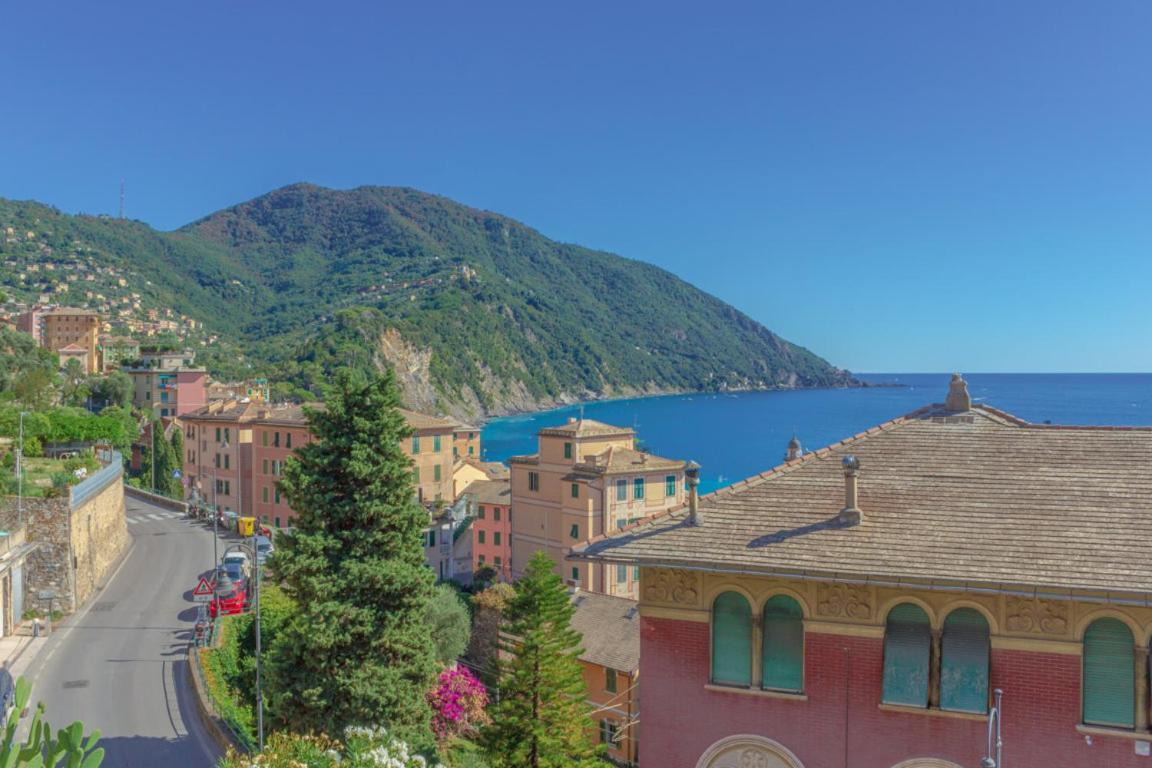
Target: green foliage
28, 374
225, 672
362, 748
68, 749
542, 719
325, 275
165, 455
358, 649
449, 622
115, 389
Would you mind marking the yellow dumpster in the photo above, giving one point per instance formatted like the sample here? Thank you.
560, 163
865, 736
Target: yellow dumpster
247, 526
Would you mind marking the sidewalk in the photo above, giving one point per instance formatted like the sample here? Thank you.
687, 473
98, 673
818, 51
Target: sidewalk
18, 651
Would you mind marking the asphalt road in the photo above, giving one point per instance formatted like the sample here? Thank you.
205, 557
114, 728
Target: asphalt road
119, 664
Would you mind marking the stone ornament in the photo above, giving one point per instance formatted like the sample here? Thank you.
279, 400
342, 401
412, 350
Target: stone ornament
675, 586
748, 751
1041, 617
847, 601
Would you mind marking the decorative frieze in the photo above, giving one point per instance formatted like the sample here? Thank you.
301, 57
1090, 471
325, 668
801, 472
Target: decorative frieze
846, 601
1035, 616
675, 586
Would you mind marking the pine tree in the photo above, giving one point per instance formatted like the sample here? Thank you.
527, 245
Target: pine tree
542, 720
176, 457
359, 651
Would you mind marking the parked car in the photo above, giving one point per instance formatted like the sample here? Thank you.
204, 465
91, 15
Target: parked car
238, 557
237, 572
229, 604
263, 548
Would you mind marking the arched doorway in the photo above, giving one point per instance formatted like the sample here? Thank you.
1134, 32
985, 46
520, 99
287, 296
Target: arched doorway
747, 751
927, 762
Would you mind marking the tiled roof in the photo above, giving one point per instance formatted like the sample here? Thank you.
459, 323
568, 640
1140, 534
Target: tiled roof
611, 630
494, 469
490, 491
227, 410
586, 428
290, 414
973, 497
424, 421
625, 461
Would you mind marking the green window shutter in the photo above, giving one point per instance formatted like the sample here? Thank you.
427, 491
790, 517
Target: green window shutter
731, 640
567, 450
670, 485
638, 488
621, 490
1109, 674
907, 647
575, 490
436, 473
783, 645
964, 662
436, 443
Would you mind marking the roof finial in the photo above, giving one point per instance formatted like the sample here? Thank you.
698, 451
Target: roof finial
958, 397
795, 450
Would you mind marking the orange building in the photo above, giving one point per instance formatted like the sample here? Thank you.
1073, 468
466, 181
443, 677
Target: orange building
490, 504
430, 448
218, 455
72, 330
277, 432
610, 658
466, 442
587, 480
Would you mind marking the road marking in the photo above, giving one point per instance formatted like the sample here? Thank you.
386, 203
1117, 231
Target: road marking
133, 520
155, 517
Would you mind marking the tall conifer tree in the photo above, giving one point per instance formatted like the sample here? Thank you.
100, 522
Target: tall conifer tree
543, 719
359, 651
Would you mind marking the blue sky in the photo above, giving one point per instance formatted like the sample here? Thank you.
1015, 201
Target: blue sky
900, 186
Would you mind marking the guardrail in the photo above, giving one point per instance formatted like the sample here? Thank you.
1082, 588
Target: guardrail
98, 480
224, 732
156, 499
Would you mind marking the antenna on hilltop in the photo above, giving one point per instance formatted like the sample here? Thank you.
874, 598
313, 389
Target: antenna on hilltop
121, 198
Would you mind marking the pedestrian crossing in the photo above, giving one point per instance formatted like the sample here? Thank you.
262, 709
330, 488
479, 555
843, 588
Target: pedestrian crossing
153, 517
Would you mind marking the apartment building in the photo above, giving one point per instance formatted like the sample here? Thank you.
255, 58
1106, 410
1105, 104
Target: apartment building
466, 442
430, 448
218, 455
490, 505
75, 332
277, 431
114, 350
169, 393
586, 480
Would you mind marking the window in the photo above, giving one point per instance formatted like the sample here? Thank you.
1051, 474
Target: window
276, 440
496, 538
287, 439
964, 662
609, 732
575, 490
415, 444
436, 443
217, 461
635, 573
670, 485
480, 513
621, 490
782, 646
264, 437
1109, 674
416, 474
907, 648
227, 434
481, 558
621, 574
575, 574
567, 450
264, 467
610, 680
496, 560
264, 494
731, 640
638, 488
432, 538
277, 494
496, 514
479, 537
534, 481
471, 451
575, 532
436, 473
227, 461
278, 522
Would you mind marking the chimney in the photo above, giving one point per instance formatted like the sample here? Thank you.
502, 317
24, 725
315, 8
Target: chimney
958, 397
692, 475
851, 514
795, 450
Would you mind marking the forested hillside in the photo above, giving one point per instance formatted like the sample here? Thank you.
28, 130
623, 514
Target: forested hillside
478, 313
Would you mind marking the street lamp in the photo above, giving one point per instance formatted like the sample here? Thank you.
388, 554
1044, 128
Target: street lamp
995, 743
256, 600
216, 523
20, 474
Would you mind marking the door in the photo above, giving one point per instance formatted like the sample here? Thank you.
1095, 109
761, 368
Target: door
17, 595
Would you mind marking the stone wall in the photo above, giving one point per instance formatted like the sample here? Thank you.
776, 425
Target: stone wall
79, 539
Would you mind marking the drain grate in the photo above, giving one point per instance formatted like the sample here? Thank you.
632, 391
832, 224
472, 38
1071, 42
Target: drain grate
101, 607
76, 684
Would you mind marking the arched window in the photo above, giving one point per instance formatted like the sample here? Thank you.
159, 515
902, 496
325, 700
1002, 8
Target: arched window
731, 640
783, 645
907, 650
964, 662
1109, 674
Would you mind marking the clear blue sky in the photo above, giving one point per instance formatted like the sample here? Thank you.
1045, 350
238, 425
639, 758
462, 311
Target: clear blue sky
900, 186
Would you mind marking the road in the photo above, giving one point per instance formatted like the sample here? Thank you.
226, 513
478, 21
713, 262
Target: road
119, 664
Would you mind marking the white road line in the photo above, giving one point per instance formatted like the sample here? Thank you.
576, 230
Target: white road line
133, 520
155, 517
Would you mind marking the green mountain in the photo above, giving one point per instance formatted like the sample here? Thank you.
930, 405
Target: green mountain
478, 313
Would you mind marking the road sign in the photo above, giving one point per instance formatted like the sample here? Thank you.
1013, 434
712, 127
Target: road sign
175, 474
204, 591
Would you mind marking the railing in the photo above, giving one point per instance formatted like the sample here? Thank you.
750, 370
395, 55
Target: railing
98, 480
234, 730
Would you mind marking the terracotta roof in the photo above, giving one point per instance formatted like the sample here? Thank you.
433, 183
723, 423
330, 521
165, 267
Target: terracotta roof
973, 497
625, 461
611, 630
494, 469
490, 491
291, 414
225, 410
418, 420
585, 428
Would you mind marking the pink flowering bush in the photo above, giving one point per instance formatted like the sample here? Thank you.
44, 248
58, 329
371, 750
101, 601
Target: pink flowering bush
457, 702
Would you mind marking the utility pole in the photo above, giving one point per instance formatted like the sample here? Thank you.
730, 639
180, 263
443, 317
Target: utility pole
259, 688
153, 462
20, 474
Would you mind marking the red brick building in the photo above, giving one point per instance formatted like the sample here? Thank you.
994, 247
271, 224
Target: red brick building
277, 431
859, 605
490, 503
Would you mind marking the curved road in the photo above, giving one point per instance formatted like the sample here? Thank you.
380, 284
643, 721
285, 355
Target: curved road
119, 664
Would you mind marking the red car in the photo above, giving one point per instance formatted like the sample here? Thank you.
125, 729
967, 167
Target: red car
230, 604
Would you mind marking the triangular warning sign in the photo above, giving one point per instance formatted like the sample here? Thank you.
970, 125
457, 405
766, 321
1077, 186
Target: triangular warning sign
205, 587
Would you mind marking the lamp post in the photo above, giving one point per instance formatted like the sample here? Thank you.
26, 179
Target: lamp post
216, 525
993, 758
20, 474
256, 600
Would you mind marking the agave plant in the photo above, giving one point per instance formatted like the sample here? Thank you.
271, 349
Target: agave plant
69, 749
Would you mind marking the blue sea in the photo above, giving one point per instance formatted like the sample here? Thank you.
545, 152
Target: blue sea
734, 436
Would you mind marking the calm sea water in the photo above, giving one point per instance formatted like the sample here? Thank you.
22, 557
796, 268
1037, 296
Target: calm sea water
734, 436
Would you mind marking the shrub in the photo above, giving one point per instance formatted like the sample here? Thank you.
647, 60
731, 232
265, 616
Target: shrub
457, 702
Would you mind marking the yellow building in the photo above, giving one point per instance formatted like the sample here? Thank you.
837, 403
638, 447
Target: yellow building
68, 329
430, 448
587, 480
